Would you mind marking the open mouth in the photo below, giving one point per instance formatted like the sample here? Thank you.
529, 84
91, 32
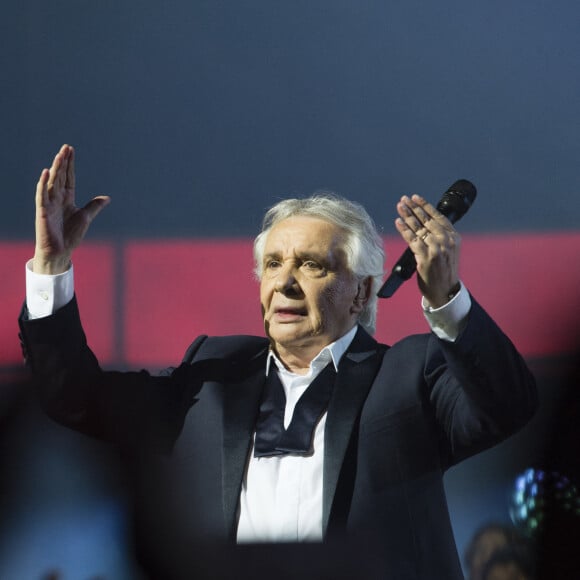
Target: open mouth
289, 313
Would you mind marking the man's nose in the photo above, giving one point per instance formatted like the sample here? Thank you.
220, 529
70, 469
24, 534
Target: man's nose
286, 280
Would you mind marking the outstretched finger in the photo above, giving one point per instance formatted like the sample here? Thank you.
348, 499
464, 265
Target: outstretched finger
56, 169
412, 237
70, 170
429, 212
62, 171
41, 197
53, 169
415, 217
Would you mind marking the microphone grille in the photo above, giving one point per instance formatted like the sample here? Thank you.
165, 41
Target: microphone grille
457, 199
465, 189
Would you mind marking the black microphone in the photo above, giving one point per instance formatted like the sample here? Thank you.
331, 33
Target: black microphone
453, 205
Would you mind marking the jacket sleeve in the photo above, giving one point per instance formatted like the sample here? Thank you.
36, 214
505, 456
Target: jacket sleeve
132, 409
481, 388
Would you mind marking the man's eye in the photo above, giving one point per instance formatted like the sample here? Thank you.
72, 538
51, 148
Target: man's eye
272, 264
311, 265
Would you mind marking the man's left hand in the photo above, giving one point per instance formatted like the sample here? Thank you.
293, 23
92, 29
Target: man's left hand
435, 244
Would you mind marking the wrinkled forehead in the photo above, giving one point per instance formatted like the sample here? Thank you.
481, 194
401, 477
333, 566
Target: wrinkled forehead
305, 234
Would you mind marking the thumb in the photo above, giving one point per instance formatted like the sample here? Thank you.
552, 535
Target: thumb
93, 208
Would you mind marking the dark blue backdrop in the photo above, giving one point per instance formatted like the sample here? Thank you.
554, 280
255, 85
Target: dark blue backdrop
195, 115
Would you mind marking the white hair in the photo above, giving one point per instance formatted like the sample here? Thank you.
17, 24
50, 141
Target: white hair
363, 246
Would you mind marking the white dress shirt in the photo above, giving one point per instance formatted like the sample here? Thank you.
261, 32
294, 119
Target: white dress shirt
281, 496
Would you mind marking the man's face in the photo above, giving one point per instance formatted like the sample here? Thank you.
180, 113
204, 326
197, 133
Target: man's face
309, 297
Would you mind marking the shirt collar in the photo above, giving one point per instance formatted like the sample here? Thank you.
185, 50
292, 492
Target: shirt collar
333, 351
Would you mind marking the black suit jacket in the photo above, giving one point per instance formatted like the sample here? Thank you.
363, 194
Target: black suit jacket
398, 418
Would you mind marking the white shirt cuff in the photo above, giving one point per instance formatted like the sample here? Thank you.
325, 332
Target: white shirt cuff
450, 319
46, 293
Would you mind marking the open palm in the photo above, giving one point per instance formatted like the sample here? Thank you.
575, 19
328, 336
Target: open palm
60, 224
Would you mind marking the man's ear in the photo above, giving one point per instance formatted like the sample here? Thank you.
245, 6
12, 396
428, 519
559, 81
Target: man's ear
362, 295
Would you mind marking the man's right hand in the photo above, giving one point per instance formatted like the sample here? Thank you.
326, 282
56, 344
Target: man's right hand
60, 224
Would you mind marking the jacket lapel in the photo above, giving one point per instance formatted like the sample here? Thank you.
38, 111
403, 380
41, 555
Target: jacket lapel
240, 409
356, 373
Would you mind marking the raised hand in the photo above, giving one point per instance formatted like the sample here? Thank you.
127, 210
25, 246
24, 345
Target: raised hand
435, 244
60, 224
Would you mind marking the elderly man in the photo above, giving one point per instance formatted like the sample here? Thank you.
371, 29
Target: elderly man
315, 432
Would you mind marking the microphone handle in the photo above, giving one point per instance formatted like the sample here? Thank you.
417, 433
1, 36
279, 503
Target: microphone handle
403, 270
